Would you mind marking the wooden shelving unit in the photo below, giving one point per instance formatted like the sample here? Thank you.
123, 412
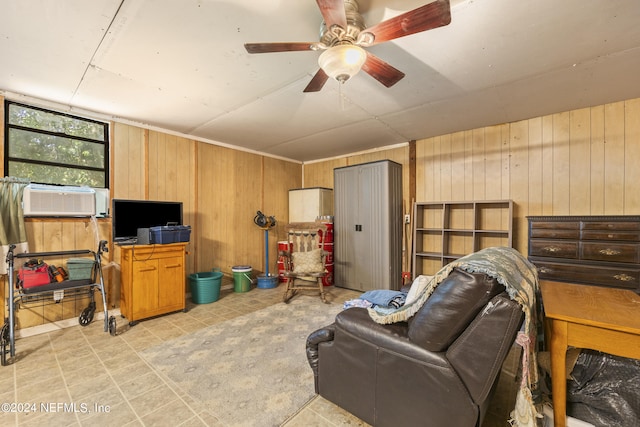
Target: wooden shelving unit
446, 231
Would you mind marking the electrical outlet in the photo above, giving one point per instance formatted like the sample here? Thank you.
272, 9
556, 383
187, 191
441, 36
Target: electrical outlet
407, 219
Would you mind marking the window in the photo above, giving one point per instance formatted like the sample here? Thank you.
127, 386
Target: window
49, 147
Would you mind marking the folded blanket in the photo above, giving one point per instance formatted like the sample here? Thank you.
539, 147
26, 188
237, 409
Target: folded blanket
357, 303
385, 298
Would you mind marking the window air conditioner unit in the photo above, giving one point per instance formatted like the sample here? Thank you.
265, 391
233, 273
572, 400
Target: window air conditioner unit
52, 200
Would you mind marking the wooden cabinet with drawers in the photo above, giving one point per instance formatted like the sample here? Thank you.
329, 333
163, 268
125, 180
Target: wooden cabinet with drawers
597, 250
153, 280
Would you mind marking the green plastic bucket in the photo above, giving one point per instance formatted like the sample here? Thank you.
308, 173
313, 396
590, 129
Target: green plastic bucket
205, 286
241, 278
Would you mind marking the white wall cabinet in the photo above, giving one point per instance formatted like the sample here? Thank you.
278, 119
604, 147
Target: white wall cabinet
368, 226
307, 204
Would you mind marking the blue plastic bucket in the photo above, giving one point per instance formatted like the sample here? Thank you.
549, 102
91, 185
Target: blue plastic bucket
267, 282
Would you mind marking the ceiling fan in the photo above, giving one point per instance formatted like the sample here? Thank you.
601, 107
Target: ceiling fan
343, 35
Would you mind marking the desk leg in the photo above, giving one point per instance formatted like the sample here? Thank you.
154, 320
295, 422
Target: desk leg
559, 372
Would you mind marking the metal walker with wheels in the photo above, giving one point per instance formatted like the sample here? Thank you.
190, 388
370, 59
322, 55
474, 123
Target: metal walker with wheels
18, 294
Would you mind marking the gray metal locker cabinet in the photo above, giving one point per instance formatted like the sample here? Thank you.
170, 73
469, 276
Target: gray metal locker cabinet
368, 226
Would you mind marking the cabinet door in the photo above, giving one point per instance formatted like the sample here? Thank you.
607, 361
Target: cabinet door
346, 214
367, 250
171, 282
144, 287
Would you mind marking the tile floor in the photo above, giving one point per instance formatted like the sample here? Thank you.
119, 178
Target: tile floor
83, 376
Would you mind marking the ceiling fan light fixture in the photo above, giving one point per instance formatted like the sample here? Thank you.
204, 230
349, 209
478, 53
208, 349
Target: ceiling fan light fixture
341, 62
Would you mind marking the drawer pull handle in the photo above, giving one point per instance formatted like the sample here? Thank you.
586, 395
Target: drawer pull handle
623, 277
544, 270
147, 269
552, 249
173, 265
609, 252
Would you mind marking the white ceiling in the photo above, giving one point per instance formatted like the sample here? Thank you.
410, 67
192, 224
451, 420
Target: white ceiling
180, 65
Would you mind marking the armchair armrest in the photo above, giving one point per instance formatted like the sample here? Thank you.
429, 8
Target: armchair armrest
321, 335
392, 337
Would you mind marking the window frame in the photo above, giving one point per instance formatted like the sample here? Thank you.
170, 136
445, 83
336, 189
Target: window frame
7, 143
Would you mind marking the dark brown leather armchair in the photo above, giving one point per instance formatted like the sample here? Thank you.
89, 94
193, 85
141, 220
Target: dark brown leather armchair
438, 369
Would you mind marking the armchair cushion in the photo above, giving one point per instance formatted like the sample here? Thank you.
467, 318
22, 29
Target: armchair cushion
450, 309
307, 262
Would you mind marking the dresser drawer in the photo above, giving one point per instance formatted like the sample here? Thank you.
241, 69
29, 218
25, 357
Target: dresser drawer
613, 225
553, 248
594, 275
604, 251
555, 225
554, 233
627, 236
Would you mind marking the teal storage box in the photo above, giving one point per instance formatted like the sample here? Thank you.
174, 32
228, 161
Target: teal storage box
80, 268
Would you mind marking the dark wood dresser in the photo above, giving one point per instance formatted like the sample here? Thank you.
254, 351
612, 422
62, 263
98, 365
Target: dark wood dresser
597, 250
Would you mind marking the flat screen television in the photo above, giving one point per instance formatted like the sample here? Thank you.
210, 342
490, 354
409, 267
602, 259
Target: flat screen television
129, 215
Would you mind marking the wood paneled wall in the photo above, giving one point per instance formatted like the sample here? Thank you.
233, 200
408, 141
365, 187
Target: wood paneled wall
580, 162
233, 186
221, 190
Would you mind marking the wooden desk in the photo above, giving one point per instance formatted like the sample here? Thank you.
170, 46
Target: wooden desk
583, 316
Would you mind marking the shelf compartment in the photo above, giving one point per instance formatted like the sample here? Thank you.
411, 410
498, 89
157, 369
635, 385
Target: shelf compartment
446, 231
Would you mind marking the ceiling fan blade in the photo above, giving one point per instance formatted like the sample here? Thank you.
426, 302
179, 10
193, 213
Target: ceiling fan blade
381, 70
278, 47
333, 12
317, 82
427, 17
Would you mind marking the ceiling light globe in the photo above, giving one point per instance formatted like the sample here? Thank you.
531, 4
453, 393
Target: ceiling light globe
342, 62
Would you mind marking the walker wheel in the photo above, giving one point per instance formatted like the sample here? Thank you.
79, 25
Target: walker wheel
86, 316
112, 326
4, 335
4, 339
3, 354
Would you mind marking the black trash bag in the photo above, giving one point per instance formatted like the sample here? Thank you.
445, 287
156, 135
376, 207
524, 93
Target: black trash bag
604, 390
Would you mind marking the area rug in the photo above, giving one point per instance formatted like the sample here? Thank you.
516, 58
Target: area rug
251, 370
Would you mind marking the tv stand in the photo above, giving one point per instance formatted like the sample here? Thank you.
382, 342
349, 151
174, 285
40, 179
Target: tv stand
153, 280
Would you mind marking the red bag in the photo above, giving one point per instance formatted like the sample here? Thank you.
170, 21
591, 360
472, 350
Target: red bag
34, 273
